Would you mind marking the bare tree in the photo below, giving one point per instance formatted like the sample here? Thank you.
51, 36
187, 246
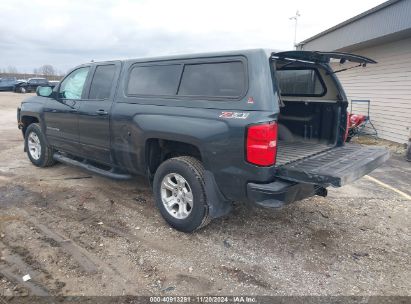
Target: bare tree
60, 73
12, 69
47, 70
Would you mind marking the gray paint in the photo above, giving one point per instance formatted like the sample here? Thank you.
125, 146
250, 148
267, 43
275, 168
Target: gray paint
385, 20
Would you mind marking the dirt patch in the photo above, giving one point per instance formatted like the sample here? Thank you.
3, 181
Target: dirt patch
244, 278
399, 149
12, 195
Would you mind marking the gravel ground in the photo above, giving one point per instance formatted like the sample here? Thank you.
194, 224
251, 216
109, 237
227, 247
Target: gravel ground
80, 234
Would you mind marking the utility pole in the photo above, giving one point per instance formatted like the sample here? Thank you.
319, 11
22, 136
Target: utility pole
295, 18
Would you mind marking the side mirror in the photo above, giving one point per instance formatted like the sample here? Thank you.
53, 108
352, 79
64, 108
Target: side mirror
44, 91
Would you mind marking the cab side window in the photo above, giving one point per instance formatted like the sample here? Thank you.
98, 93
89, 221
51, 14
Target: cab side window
73, 85
102, 81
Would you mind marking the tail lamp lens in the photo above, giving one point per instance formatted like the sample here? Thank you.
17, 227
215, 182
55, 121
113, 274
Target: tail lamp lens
261, 144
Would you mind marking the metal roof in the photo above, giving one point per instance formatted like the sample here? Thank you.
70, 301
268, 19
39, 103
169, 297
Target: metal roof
388, 18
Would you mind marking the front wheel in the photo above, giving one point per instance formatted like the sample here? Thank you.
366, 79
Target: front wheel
179, 191
39, 153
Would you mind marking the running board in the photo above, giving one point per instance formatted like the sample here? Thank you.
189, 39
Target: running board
84, 165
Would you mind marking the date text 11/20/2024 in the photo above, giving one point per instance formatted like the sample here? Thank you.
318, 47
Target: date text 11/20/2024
205, 299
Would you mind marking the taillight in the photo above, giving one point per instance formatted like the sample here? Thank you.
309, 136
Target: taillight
261, 145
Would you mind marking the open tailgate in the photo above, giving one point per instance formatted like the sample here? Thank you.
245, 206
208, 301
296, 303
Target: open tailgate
336, 167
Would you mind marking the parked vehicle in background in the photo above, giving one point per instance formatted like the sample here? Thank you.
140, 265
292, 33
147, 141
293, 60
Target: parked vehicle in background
31, 85
256, 126
53, 83
8, 83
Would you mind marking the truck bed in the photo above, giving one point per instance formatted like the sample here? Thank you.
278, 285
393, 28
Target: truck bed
288, 152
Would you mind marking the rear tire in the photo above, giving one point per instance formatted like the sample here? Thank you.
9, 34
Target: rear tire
179, 192
39, 153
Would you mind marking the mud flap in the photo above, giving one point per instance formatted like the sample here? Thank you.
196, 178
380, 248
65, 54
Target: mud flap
335, 167
218, 205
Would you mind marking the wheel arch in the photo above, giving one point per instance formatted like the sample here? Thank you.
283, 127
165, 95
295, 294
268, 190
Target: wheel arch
157, 150
27, 120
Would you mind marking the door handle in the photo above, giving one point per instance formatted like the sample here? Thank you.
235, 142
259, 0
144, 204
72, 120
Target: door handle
101, 112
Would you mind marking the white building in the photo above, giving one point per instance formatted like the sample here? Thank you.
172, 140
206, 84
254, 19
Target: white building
382, 33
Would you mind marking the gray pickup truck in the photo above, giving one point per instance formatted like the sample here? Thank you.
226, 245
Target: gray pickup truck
256, 126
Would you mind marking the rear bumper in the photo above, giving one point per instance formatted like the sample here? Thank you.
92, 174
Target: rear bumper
280, 193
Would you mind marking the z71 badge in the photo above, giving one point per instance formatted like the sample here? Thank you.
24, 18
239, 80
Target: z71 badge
236, 115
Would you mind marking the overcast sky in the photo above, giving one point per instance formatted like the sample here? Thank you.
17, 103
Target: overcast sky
66, 33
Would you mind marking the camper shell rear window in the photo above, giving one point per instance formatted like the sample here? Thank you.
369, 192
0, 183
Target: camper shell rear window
304, 81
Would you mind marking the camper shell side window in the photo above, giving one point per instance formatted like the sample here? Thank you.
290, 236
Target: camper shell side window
209, 79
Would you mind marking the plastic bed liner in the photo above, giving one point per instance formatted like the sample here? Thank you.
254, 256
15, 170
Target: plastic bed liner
289, 152
335, 166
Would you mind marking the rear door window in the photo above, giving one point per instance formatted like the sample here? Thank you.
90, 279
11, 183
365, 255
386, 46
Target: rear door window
102, 81
300, 82
222, 79
160, 80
